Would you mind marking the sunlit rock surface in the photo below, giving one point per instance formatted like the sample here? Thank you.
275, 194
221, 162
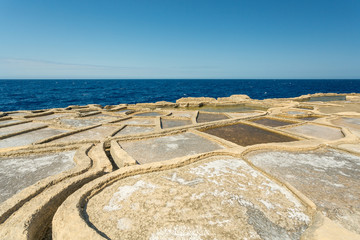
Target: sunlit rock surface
200, 168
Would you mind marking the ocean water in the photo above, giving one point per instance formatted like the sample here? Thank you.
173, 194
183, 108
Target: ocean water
44, 94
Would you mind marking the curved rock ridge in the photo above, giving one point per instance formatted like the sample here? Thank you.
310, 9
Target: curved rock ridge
200, 168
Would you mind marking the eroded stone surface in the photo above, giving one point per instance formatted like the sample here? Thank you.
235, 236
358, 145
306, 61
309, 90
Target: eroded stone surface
19, 128
330, 178
51, 116
346, 107
30, 137
134, 130
351, 147
17, 173
352, 123
186, 114
170, 123
83, 122
97, 133
138, 121
272, 122
317, 131
209, 117
218, 198
168, 147
5, 122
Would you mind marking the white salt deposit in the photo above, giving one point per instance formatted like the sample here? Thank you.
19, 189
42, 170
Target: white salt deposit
124, 224
274, 187
125, 192
175, 178
219, 168
180, 232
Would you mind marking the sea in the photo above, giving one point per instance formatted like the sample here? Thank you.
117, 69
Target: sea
45, 94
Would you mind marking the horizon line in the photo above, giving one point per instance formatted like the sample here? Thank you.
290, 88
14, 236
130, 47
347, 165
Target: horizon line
2, 79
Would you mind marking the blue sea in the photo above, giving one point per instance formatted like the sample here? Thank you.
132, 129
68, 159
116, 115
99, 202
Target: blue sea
44, 94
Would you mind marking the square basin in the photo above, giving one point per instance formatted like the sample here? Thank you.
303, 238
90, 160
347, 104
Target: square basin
317, 131
170, 123
5, 122
185, 114
209, 117
134, 130
30, 137
245, 135
271, 122
138, 121
17, 173
80, 123
50, 116
346, 107
19, 128
168, 147
97, 133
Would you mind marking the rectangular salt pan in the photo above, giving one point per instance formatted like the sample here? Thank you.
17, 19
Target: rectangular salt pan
170, 123
97, 133
168, 147
245, 135
20, 172
317, 131
134, 130
30, 137
19, 128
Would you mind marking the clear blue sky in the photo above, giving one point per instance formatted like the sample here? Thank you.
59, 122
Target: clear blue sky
179, 39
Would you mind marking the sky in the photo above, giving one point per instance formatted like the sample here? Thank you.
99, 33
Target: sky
223, 39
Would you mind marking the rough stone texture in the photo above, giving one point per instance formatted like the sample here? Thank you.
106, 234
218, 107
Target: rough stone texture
51, 116
29, 213
165, 148
19, 127
220, 198
330, 178
170, 123
272, 122
79, 123
97, 133
351, 147
5, 122
18, 173
352, 123
346, 107
209, 117
138, 121
317, 131
30, 137
186, 114
134, 130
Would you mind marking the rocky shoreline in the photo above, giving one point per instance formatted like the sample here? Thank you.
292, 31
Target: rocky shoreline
198, 168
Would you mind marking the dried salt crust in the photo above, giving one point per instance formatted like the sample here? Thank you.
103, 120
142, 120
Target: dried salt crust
28, 214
